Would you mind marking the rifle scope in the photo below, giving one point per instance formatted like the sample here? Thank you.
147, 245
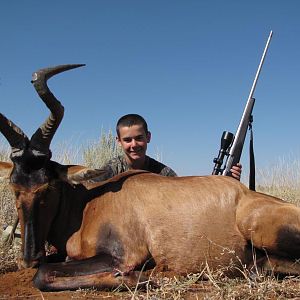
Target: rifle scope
226, 141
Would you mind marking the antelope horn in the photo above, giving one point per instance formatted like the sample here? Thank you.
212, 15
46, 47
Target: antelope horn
41, 139
14, 135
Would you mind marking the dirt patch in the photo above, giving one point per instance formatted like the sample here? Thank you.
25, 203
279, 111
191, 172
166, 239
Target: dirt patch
18, 285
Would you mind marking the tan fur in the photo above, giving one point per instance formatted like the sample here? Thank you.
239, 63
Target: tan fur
184, 222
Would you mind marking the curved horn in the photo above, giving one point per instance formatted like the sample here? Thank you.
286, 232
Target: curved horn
41, 139
14, 135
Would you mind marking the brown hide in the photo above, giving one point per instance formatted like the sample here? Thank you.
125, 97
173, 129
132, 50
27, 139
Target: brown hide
183, 223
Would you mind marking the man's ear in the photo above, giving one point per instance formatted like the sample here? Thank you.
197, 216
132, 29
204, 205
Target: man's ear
118, 140
148, 137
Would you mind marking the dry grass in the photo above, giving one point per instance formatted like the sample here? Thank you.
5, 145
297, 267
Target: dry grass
282, 180
9, 256
96, 154
7, 204
205, 285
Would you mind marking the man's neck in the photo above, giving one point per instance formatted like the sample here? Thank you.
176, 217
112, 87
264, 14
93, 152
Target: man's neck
136, 164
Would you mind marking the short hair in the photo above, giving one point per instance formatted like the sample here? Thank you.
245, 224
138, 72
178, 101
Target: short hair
129, 120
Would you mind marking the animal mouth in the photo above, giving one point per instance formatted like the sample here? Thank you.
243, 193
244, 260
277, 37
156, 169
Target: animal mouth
35, 261
31, 264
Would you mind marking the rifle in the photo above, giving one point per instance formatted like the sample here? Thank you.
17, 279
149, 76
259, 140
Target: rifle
232, 146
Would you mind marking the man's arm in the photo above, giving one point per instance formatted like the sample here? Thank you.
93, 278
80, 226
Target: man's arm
168, 172
111, 168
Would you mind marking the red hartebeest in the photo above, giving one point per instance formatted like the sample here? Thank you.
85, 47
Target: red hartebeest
110, 230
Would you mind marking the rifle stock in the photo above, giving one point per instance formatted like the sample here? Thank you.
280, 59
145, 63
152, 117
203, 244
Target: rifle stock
234, 149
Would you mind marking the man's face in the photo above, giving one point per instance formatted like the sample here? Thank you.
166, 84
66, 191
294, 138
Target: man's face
134, 141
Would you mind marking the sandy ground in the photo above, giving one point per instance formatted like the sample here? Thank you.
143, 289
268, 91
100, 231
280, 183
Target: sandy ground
18, 285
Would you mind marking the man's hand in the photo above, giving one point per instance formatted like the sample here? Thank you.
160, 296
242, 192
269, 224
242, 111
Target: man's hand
236, 171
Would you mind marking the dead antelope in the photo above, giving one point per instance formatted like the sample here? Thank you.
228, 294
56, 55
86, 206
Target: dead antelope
110, 230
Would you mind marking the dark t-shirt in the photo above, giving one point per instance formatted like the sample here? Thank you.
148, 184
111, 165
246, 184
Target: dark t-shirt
119, 165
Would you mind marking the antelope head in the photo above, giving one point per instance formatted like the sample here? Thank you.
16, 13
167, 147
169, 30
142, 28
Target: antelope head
32, 171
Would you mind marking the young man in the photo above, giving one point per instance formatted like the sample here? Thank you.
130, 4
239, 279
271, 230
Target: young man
133, 136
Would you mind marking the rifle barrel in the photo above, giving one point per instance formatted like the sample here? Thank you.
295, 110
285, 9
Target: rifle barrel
260, 66
233, 157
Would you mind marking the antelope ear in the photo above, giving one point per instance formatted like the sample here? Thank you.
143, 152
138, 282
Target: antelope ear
5, 169
76, 174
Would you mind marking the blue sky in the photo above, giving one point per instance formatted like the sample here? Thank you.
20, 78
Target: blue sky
186, 66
